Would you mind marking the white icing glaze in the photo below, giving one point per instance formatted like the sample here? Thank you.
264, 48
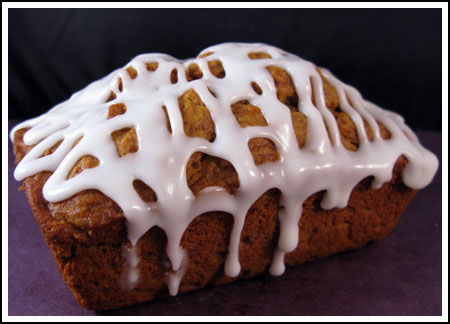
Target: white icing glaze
161, 159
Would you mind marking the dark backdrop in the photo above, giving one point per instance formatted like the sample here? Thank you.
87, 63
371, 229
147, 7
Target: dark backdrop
393, 56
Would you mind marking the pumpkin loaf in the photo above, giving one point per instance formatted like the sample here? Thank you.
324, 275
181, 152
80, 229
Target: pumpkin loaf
167, 176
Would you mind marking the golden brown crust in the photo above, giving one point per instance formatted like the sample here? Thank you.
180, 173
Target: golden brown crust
20, 148
207, 171
166, 114
216, 68
193, 72
144, 191
111, 97
259, 55
151, 66
263, 150
87, 233
174, 76
256, 88
197, 120
248, 114
125, 140
132, 72
286, 92
85, 162
116, 110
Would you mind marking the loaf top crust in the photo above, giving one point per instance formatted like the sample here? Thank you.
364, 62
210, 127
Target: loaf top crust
164, 140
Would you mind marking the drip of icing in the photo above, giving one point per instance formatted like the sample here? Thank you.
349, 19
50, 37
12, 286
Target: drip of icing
173, 279
299, 173
132, 260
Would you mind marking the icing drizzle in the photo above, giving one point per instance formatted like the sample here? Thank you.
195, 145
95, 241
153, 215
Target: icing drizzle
299, 173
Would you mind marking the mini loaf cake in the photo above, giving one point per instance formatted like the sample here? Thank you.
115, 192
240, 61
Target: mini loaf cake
168, 175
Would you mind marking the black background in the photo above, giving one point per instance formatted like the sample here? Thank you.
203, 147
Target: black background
393, 56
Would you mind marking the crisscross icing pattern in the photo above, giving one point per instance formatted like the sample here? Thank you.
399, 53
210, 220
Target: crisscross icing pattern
224, 75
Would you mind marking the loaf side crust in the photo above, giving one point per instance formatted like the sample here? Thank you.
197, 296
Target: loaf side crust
89, 253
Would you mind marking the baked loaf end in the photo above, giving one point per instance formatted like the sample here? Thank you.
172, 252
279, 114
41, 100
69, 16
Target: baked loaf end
88, 232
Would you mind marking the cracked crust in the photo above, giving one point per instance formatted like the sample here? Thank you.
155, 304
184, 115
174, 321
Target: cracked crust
87, 233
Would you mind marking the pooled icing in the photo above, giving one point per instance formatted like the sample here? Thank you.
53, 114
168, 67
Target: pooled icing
162, 156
